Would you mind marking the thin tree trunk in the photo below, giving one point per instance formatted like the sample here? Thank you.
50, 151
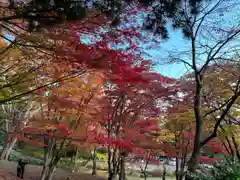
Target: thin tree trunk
236, 147
51, 158
47, 153
4, 150
177, 168
44, 172
45, 166
11, 125
145, 175
7, 140
50, 167
11, 146
182, 167
94, 167
230, 148
122, 175
7, 148
192, 164
113, 164
110, 172
50, 172
164, 172
74, 158
86, 162
144, 170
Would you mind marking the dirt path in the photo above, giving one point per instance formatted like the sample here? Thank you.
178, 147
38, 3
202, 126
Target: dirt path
32, 172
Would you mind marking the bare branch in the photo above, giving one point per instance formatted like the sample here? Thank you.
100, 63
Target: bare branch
205, 15
223, 43
219, 120
217, 109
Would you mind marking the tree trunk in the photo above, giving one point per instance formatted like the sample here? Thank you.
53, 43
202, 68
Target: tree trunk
74, 158
7, 141
122, 175
111, 169
50, 167
52, 155
109, 164
46, 166
46, 160
230, 148
164, 172
145, 175
182, 168
236, 147
44, 172
12, 144
111, 176
4, 150
192, 164
48, 172
177, 168
144, 169
7, 148
72, 161
94, 167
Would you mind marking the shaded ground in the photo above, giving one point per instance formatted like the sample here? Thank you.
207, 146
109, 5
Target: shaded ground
32, 172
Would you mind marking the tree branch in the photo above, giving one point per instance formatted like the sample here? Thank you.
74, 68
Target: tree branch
40, 87
224, 42
224, 113
205, 15
216, 109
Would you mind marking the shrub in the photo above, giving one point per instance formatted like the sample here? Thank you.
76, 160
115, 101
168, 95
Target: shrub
36, 154
222, 170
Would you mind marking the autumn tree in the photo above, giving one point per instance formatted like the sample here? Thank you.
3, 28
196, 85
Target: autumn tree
15, 116
25, 71
71, 55
21, 17
62, 42
219, 97
178, 132
179, 135
130, 108
210, 43
65, 110
153, 147
227, 128
19, 74
228, 134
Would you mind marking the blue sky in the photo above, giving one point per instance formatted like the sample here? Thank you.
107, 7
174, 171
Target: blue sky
176, 42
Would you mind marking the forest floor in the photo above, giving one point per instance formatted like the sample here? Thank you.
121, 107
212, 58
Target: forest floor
32, 172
